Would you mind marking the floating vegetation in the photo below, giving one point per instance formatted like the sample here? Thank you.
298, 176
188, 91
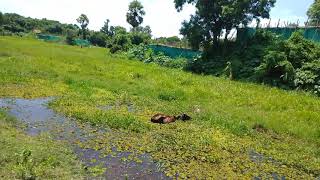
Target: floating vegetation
92, 145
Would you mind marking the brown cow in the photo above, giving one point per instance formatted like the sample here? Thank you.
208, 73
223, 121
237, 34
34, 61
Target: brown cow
166, 119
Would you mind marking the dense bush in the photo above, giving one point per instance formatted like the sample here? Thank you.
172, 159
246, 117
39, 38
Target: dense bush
98, 39
276, 70
300, 50
141, 52
55, 29
145, 54
121, 40
266, 58
308, 77
140, 35
293, 64
71, 37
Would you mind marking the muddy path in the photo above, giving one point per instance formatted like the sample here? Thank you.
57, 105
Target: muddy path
38, 118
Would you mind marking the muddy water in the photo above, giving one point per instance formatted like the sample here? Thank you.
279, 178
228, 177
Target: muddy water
38, 119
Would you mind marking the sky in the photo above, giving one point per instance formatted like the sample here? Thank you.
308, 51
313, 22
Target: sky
161, 15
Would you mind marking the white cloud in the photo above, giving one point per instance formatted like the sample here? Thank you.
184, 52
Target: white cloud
160, 14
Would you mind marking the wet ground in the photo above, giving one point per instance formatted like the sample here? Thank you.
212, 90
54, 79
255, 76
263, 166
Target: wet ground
38, 119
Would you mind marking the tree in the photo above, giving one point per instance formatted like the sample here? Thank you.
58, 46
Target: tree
140, 35
84, 22
105, 28
213, 17
314, 13
98, 39
117, 30
120, 40
193, 31
55, 29
71, 36
1, 19
135, 14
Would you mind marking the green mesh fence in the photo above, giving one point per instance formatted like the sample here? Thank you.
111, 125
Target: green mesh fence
47, 37
51, 38
81, 42
175, 52
309, 33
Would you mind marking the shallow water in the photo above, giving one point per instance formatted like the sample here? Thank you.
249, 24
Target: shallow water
40, 119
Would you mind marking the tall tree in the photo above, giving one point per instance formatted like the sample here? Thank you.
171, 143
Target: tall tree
141, 35
105, 28
1, 19
213, 17
84, 22
314, 13
135, 14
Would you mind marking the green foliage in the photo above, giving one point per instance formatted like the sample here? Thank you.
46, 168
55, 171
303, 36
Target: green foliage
98, 39
276, 70
140, 35
105, 28
173, 41
194, 31
83, 20
213, 17
71, 37
145, 54
55, 29
1, 18
308, 77
300, 50
314, 13
268, 59
292, 64
141, 52
14, 23
25, 165
119, 39
135, 13
120, 42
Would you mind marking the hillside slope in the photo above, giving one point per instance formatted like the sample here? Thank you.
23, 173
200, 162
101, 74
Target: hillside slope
92, 85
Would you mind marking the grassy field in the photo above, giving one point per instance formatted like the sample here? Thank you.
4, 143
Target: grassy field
24, 157
216, 143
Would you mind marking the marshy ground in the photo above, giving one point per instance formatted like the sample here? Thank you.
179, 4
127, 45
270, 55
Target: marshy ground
112, 99
38, 119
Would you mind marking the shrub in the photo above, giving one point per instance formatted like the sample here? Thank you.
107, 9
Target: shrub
71, 36
120, 42
308, 77
145, 54
276, 70
141, 52
98, 39
300, 50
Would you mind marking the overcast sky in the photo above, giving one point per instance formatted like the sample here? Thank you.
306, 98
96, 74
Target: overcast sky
160, 14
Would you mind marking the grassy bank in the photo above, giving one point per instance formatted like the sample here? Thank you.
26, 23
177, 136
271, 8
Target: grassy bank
216, 143
24, 157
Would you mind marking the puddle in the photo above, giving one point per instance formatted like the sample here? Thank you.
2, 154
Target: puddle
40, 119
260, 158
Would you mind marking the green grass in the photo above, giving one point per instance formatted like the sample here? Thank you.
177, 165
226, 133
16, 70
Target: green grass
214, 144
24, 157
